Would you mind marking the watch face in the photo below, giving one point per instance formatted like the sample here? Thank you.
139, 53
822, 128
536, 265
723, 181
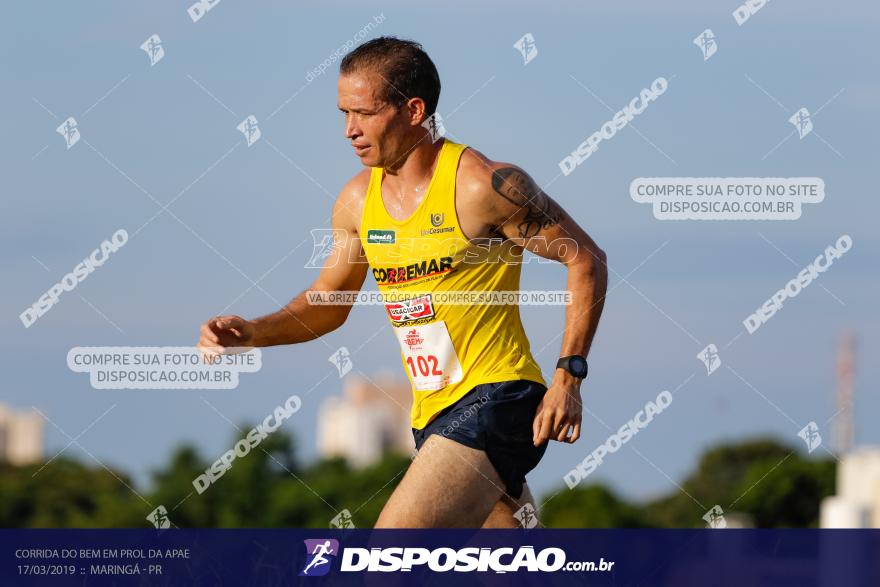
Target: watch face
578, 366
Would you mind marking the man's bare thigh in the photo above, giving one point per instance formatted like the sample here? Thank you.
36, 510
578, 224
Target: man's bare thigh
448, 485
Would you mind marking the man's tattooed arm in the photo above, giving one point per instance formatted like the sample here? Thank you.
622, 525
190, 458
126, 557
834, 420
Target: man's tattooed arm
541, 212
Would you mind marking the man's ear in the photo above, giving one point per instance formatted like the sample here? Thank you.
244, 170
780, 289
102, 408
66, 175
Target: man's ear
416, 109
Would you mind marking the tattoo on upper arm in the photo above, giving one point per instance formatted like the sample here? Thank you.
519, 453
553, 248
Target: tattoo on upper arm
519, 189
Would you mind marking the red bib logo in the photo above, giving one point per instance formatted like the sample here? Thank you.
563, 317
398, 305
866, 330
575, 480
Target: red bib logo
413, 340
409, 310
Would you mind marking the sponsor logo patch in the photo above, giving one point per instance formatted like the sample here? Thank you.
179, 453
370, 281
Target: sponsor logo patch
381, 237
419, 308
413, 271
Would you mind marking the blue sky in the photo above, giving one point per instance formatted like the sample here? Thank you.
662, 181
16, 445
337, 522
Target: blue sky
246, 212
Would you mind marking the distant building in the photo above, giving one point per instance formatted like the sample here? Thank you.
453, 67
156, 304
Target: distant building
21, 437
370, 418
857, 503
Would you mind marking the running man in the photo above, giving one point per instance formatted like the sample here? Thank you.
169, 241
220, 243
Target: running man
427, 217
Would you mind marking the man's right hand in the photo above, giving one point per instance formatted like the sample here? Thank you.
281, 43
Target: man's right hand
224, 335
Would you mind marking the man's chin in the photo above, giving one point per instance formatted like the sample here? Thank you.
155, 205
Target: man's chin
368, 161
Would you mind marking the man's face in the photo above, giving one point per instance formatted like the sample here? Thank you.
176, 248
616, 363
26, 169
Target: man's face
375, 128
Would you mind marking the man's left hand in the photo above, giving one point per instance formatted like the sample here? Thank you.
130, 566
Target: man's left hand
559, 412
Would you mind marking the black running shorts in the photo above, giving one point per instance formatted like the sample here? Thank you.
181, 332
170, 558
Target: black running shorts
497, 419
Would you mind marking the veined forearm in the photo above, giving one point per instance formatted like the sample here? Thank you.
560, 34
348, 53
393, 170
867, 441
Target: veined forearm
298, 321
587, 282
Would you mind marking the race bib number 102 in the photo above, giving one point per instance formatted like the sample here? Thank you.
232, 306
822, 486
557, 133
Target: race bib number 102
429, 355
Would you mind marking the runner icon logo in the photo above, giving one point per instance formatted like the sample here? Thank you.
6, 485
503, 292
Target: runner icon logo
320, 553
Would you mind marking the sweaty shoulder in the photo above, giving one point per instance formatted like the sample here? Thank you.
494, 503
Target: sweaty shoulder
474, 172
349, 206
476, 196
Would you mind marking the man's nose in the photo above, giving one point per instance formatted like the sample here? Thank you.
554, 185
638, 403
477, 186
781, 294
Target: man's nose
351, 128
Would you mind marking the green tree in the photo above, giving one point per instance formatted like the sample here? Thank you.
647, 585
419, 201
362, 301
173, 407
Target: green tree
66, 493
593, 506
790, 495
747, 477
763, 478
173, 488
268, 488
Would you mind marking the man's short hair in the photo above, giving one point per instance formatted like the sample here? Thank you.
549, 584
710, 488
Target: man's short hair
407, 70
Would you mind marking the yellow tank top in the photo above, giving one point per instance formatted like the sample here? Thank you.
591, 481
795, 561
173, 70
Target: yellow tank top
446, 348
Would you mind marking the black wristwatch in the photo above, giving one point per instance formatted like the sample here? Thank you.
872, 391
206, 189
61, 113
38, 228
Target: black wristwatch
574, 364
